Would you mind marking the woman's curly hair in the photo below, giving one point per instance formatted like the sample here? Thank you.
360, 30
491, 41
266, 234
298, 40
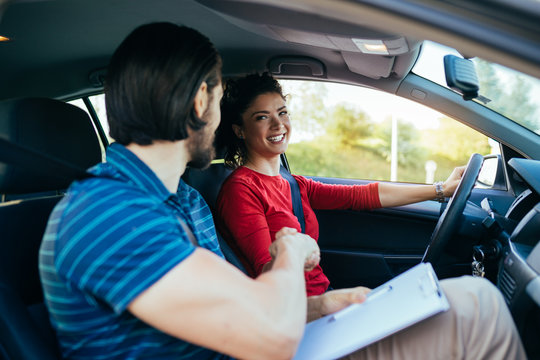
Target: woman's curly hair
238, 95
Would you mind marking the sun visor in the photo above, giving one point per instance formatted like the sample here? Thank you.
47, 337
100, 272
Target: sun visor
367, 52
372, 66
387, 45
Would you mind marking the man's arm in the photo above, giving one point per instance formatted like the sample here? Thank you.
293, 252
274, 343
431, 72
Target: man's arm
206, 301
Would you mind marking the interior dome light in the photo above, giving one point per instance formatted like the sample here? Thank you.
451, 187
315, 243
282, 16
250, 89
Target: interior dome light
368, 46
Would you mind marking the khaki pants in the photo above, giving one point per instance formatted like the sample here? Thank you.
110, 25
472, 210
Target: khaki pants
477, 326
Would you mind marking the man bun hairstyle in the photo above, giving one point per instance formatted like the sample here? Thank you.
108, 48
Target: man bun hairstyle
152, 81
238, 96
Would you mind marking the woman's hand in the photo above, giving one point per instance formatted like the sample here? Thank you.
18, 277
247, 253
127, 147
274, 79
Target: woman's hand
304, 243
450, 185
335, 300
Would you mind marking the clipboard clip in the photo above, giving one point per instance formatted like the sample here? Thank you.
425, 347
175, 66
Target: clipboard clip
381, 290
428, 284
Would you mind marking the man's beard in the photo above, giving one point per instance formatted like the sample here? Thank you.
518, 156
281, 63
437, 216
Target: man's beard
201, 147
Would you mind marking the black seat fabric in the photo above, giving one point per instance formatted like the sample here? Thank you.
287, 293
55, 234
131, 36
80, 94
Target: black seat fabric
50, 127
208, 182
62, 131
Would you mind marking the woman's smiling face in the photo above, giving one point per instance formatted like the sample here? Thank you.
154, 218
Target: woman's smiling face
266, 127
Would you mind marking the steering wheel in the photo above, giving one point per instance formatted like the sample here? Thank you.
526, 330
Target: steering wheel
448, 221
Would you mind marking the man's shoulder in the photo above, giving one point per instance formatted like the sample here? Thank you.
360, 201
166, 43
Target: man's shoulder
101, 200
105, 190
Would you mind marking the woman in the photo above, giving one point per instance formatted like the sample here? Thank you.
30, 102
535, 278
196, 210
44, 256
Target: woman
255, 201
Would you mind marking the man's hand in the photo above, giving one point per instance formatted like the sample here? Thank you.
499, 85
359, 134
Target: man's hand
302, 242
335, 300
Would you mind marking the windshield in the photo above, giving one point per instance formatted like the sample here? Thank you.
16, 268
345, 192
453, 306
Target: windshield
509, 92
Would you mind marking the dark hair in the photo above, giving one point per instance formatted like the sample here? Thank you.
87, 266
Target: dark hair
152, 81
239, 94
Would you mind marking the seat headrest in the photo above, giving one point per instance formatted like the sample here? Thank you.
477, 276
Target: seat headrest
50, 127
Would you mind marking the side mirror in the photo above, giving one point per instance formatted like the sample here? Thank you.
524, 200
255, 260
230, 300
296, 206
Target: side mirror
492, 173
461, 76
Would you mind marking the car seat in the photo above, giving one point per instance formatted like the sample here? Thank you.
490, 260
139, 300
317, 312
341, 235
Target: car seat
30, 189
208, 183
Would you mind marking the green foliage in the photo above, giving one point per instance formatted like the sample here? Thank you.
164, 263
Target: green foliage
367, 156
320, 157
510, 97
454, 141
344, 142
355, 129
408, 136
349, 127
306, 105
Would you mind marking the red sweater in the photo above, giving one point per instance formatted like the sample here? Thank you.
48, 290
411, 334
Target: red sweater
252, 207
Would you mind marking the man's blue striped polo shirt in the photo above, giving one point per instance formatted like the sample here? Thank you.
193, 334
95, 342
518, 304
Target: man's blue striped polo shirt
108, 240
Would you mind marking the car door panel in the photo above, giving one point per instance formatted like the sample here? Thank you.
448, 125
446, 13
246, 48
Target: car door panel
372, 246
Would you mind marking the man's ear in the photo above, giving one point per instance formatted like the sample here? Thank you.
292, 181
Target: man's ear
201, 99
238, 131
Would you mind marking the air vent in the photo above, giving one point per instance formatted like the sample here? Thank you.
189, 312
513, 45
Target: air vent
507, 284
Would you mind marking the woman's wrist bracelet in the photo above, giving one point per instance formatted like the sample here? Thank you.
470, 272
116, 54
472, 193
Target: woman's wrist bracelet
439, 191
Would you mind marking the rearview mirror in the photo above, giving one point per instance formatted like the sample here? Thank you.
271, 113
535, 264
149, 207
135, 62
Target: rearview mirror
461, 76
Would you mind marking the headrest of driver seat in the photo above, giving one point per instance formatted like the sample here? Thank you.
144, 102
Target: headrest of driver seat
50, 127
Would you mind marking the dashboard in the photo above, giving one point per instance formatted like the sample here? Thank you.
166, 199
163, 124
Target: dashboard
519, 273
521, 260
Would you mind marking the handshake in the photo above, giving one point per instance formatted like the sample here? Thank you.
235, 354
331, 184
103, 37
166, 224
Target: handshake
302, 245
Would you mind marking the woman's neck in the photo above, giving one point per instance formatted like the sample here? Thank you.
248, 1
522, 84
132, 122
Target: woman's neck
264, 166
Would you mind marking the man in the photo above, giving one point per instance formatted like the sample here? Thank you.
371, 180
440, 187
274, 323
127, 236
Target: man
130, 264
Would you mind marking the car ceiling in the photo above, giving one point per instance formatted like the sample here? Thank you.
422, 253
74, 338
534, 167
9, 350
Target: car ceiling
57, 45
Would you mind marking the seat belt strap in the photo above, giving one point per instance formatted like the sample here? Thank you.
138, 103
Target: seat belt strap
296, 198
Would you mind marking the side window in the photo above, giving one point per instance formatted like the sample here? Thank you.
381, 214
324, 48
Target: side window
98, 103
345, 131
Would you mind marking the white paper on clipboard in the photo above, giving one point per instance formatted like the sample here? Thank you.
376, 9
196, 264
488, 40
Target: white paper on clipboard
399, 303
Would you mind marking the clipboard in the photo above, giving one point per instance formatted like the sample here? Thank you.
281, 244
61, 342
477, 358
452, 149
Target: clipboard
399, 303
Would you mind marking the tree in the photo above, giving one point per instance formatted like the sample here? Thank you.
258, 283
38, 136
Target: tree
409, 152
309, 115
510, 96
350, 126
454, 141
